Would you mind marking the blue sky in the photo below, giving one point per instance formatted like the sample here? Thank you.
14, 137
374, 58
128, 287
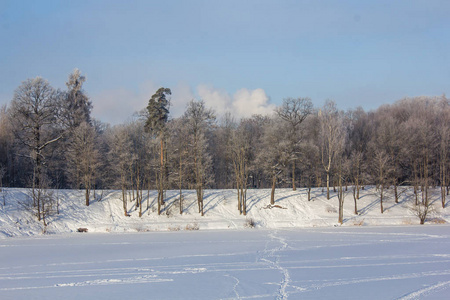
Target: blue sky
238, 56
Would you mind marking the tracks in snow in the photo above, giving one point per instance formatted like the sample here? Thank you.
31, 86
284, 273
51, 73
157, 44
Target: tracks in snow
426, 291
272, 258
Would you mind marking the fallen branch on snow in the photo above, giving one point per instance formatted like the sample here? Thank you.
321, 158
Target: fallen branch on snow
270, 206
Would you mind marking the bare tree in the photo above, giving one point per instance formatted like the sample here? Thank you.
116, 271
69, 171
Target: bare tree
83, 157
382, 170
331, 137
240, 152
342, 173
444, 138
293, 112
121, 157
179, 144
356, 166
199, 120
34, 111
6, 143
274, 154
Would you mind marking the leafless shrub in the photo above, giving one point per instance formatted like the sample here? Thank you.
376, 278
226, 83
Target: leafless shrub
250, 223
193, 226
421, 210
41, 202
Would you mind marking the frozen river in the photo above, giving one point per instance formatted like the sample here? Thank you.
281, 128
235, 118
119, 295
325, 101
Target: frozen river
327, 263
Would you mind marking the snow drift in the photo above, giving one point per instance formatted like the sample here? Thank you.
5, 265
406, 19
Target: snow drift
291, 210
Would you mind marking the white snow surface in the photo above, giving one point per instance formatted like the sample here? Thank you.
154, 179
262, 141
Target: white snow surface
292, 210
399, 262
296, 250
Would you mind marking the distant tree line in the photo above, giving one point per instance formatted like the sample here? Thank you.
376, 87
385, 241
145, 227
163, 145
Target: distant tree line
48, 139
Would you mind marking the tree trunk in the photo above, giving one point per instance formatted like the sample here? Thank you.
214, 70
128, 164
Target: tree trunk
181, 184
341, 199
239, 196
381, 197
328, 185
357, 190
395, 191
355, 198
87, 196
200, 199
124, 201
244, 201
272, 194
293, 176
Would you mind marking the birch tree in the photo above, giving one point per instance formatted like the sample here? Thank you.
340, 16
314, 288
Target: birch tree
331, 137
240, 154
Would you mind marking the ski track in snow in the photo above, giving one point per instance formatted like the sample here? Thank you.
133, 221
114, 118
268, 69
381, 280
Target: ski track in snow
426, 291
270, 259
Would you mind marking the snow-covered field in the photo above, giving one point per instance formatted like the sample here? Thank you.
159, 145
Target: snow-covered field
406, 262
296, 250
292, 211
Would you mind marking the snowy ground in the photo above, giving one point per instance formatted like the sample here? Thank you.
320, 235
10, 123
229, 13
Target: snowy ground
293, 210
295, 250
400, 262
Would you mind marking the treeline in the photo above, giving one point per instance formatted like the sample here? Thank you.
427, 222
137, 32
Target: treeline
48, 139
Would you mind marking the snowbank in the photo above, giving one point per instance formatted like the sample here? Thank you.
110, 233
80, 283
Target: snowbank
292, 210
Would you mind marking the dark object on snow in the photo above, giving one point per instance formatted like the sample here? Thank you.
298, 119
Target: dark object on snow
81, 229
270, 206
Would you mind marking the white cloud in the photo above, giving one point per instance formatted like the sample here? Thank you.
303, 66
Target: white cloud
244, 103
181, 95
249, 102
216, 99
116, 106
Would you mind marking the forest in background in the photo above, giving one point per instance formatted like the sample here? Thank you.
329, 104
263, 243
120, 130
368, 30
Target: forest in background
48, 139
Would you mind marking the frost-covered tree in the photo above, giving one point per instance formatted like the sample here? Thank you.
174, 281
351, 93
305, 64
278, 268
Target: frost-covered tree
444, 145
83, 157
120, 157
80, 142
180, 155
77, 106
240, 150
331, 138
293, 112
199, 120
33, 112
274, 154
6, 145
